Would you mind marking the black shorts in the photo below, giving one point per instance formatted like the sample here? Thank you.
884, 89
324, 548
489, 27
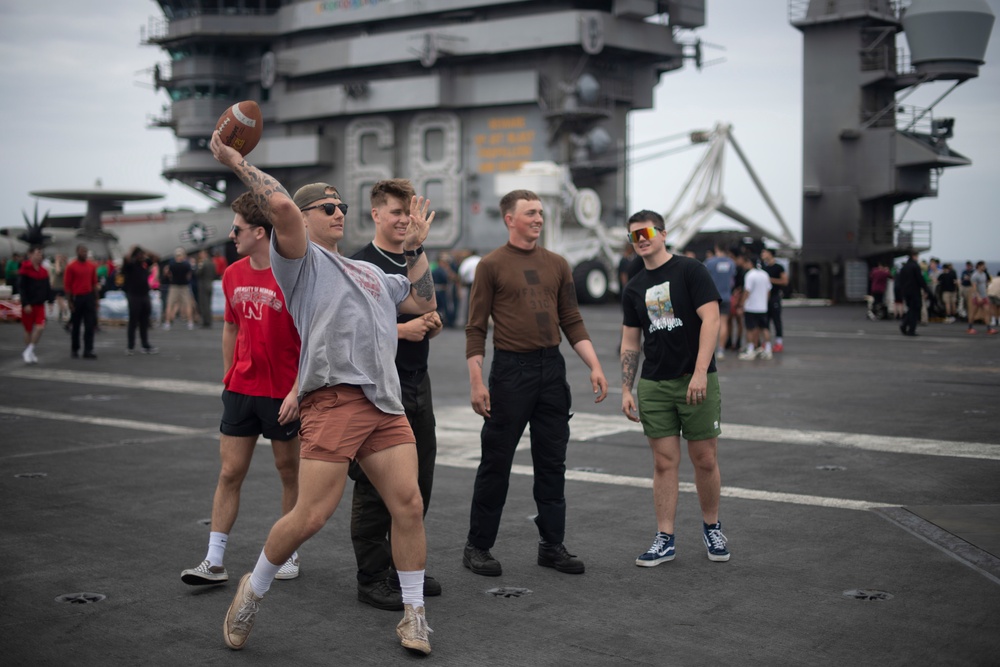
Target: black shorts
755, 320
244, 416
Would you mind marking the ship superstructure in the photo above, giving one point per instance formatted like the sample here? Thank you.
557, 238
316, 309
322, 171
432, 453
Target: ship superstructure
448, 93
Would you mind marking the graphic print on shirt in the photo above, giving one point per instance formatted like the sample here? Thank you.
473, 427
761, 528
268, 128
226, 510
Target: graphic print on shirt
364, 278
660, 308
254, 299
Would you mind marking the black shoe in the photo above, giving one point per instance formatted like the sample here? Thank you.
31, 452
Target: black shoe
481, 561
74, 355
381, 595
89, 355
556, 556
432, 587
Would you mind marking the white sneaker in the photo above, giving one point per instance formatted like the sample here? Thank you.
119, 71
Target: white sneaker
190, 326
166, 326
290, 570
413, 630
748, 355
26, 355
765, 354
720, 354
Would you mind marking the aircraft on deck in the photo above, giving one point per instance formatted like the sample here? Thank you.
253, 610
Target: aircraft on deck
108, 231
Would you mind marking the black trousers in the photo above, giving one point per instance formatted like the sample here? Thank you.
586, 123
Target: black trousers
525, 388
371, 522
774, 316
85, 313
139, 311
912, 316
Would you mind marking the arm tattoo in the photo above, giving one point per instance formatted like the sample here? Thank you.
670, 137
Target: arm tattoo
262, 185
630, 363
424, 287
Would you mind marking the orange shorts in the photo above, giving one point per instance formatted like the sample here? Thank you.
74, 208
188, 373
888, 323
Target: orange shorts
340, 424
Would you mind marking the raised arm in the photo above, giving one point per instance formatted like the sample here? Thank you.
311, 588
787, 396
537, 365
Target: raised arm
272, 198
422, 298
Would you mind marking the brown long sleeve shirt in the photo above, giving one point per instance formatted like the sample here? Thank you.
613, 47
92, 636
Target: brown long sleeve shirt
530, 296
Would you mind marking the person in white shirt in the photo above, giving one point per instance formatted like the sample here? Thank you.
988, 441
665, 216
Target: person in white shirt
756, 287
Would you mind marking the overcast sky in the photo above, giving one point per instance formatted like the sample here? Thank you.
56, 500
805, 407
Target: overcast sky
76, 98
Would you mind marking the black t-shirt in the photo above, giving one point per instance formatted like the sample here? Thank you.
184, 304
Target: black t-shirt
663, 304
775, 271
410, 356
947, 281
180, 272
136, 276
739, 279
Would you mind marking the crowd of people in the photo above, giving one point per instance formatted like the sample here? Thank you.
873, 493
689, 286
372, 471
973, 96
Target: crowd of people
921, 292
69, 293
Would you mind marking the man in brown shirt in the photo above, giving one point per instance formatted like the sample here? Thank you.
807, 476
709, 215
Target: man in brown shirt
529, 293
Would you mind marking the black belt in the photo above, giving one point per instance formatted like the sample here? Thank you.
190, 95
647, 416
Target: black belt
527, 356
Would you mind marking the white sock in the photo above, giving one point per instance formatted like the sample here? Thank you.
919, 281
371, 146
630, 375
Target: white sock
412, 586
30, 348
767, 347
749, 348
263, 574
778, 340
216, 548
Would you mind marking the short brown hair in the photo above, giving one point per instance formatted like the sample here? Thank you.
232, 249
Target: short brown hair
509, 201
400, 188
246, 207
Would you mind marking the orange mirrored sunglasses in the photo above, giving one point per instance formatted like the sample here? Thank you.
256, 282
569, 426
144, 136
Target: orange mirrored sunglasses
637, 235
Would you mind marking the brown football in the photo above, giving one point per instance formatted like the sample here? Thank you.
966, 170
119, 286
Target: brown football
241, 126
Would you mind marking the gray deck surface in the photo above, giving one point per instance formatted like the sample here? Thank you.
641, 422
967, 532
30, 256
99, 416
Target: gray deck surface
856, 460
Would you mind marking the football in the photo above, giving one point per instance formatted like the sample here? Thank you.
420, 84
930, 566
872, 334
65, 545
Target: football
241, 126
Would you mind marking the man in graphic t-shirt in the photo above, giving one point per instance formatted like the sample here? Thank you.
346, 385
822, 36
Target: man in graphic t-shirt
672, 308
260, 355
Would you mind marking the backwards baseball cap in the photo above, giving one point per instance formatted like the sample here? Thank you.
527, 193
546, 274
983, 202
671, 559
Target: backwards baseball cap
307, 194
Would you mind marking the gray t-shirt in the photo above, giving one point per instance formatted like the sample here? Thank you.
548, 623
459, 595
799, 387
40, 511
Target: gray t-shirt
345, 313
979, 282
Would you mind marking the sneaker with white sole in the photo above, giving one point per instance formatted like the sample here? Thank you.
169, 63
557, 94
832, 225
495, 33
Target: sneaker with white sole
715, 542
241, 615
765, 354
661, 551
747, 355
290, 570
413, 630
205, 574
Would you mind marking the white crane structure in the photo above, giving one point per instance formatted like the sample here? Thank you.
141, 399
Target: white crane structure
702, 195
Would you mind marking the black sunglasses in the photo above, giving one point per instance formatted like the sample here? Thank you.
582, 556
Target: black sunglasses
328, 208
237, 229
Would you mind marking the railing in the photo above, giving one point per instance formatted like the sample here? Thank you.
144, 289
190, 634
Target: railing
912, 234
800, 10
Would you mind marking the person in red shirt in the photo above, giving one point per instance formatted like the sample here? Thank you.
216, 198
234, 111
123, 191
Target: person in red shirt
82, 289
219, 259
260, 354
35, 290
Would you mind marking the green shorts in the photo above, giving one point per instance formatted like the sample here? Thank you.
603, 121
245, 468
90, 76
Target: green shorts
663, 409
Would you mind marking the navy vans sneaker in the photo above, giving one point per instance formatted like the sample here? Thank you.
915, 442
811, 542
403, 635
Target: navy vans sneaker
715, 542
661, 551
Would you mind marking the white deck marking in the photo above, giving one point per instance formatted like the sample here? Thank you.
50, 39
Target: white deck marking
458, 436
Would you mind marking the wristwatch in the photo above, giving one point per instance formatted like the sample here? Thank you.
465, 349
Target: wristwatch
414, 253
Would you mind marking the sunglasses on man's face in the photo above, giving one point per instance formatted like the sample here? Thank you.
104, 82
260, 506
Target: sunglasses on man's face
328, 208
647, 233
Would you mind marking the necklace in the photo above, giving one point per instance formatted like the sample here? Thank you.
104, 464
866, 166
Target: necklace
394, 262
